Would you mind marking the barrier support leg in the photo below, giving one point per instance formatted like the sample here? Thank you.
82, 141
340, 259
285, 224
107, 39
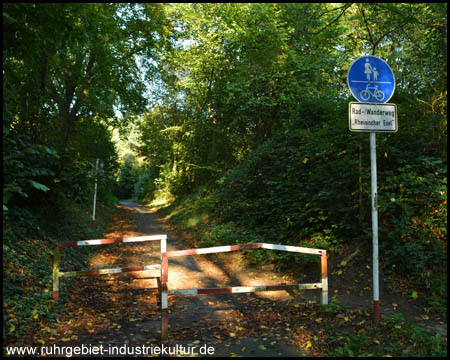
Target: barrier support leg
323, 266
164, 294
56, 256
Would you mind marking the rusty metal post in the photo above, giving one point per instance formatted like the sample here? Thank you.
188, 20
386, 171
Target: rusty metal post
324, 271
56, 257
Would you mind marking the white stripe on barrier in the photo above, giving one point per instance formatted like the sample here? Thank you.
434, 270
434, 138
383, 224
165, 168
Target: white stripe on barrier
164, 300
128, 239
107, 271
213, 250
145, 238
183, 292
295, 249
90, 242
163, 244
325, 290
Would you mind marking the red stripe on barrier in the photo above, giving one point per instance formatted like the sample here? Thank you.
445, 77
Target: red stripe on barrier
181, 253
164, 325
164, 268
132, 268
101, 242
215, 291
245, 246
376, 311
323, 259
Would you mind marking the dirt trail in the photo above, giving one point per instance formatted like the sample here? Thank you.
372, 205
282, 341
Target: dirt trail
211, 319
122, 309
119, 309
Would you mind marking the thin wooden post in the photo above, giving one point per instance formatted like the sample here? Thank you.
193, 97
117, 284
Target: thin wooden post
56, 257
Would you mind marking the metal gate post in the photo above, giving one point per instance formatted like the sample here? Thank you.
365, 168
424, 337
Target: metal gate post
323, 265
164, 294
56, 256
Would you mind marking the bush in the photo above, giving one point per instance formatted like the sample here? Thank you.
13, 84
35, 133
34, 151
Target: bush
144, 187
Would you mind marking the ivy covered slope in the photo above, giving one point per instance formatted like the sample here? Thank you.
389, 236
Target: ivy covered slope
301, 188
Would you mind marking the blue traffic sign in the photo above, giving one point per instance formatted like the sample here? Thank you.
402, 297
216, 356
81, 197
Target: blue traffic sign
371, 80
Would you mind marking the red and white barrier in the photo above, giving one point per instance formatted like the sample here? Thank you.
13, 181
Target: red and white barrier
165, 292
57, 274
164, 267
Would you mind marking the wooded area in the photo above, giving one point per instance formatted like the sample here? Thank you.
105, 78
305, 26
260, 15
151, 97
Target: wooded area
235, 117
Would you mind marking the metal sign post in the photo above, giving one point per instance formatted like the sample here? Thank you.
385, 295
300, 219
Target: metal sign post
373, 175
372, 81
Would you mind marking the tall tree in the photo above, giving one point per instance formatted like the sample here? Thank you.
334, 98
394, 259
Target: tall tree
67, 69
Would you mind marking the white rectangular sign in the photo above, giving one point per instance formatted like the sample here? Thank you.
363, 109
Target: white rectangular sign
371, 117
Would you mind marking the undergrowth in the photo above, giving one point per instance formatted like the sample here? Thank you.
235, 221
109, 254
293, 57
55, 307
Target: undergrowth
29, 238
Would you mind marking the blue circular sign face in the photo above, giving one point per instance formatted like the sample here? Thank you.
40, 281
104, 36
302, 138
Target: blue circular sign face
371, 80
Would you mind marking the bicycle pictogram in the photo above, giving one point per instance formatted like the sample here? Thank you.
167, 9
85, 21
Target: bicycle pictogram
376, 93
371, 80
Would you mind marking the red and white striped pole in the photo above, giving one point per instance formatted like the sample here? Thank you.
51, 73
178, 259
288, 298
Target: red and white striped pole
164, 292
95, 194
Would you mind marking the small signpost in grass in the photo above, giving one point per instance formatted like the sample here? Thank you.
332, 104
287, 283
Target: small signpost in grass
95, 172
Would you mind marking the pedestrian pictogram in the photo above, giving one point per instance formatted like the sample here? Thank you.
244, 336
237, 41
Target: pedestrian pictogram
370, 79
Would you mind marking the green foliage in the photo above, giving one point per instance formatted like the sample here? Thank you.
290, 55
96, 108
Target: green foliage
128, 175
25, 165
352, 346
286, 192
28, 241
416, 340
144, 187
250, 127
393, 337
